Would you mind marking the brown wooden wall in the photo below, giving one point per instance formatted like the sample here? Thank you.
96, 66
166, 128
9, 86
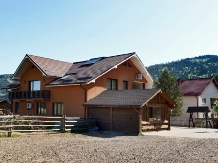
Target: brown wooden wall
164, 113
116, 119
164, 123
103, 117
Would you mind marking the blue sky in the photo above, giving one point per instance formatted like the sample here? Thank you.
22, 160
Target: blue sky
70, 30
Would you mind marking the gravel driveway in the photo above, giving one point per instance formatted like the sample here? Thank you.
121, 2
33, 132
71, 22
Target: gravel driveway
106, 147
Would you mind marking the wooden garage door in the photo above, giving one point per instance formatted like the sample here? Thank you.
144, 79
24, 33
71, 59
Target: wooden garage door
125, 120
103, 117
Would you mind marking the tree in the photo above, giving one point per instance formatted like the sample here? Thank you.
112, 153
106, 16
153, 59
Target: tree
215, 107
168, 84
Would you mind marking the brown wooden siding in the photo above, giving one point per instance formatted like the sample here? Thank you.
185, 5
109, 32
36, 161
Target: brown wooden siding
116, 119
125, 120
156, 102
103, 117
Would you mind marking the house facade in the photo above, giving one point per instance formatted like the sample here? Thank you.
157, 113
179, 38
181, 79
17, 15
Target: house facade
44, 86
197, 93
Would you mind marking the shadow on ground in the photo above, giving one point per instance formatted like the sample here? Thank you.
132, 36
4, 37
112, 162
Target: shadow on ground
107, 134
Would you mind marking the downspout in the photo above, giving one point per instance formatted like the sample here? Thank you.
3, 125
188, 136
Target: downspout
197, 104
85, 98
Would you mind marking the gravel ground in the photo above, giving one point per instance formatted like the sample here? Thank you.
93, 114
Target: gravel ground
106, 147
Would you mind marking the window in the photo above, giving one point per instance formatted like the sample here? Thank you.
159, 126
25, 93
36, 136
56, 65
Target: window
125, 85
58, 108
154, 114
138, 85
41, 108
204, 100
17, 108
34, 85
111, 84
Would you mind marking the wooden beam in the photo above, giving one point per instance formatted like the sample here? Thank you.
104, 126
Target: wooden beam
146, 102
87, 114
140, 120
157, 105
111, 119
168, 119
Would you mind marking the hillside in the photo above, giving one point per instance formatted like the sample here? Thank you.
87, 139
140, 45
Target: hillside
4, 80
202, 66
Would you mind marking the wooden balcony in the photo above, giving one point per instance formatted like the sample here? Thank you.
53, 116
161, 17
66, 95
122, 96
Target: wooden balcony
41, 94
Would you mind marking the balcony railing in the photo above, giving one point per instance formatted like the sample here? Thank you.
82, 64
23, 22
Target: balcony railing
42, 94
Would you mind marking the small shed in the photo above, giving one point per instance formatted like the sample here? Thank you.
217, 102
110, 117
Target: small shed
5, 107
131, 111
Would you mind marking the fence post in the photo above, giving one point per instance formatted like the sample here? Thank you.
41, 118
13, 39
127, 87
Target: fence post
10, 128
63, 123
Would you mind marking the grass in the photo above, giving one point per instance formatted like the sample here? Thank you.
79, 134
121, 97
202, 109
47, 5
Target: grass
4, 135
140, 134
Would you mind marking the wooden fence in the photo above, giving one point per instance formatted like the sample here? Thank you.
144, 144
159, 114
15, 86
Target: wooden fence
16, 123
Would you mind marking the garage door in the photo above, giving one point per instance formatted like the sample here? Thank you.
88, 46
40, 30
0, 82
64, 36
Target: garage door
103, 117
125, 120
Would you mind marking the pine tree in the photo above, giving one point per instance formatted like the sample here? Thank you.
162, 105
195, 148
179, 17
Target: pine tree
169, 85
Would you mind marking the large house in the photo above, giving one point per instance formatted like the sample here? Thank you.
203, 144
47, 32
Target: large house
44, 86
196, 93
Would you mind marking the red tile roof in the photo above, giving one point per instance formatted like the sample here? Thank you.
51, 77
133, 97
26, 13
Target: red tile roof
195, 87
78, 74
51, 67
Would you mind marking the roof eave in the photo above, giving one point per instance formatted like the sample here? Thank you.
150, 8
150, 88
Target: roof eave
59, 85
138, 63
113, 106
14, 77
150, 98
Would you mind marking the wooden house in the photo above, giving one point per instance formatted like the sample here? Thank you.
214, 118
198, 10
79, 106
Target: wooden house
44, 86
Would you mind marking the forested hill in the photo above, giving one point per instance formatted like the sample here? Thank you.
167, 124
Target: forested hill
4, 80
202, 66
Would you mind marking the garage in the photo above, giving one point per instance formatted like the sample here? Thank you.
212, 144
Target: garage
112, 119
131, 111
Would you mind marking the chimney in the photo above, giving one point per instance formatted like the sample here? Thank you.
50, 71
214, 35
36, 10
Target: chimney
179, 82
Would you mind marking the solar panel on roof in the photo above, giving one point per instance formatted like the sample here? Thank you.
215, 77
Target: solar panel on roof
66, 76
92, 61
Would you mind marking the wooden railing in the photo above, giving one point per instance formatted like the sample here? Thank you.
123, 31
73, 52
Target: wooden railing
11, 123
41, 94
